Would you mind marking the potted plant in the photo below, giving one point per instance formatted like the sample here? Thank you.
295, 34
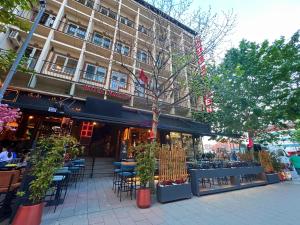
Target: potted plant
46, 158
145, 158
266, 162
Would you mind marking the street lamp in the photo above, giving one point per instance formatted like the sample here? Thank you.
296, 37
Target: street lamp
22, 50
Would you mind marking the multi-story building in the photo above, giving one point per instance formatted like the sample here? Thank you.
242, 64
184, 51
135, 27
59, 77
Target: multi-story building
77, 52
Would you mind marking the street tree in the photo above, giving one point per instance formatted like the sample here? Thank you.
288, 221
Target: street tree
7, 17
256, 85
171, 63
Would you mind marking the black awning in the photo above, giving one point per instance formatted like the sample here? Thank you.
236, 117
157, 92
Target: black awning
136, 118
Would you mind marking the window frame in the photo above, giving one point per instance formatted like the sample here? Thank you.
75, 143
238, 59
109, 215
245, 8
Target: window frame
123, 46
103, 38
64, 66
123, 75
139, 54
95, 74
78, 27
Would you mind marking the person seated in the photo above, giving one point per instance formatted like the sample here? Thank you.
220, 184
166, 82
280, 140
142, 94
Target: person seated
5, 156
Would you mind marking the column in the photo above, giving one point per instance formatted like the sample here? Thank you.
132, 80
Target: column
134, 51
172, 111
47, 46
109, 69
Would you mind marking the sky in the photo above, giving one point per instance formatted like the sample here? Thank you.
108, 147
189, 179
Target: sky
258, 20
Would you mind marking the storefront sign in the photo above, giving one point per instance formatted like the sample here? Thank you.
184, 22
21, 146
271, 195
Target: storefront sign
108, 92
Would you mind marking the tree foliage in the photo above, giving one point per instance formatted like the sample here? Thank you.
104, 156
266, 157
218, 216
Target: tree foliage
255, 86
8, 17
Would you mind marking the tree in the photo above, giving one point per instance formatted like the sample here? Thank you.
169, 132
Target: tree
255, 86
8, 17
171, 60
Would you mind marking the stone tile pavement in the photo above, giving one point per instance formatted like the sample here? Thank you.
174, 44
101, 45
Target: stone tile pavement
93, 202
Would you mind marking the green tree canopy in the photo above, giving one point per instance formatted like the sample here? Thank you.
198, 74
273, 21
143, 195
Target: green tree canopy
256, 85
7, 17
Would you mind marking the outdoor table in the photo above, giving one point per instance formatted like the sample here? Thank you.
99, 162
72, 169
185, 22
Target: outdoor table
128, 163
57, 181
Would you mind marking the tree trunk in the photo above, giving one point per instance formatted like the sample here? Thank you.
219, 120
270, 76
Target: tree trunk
155, 117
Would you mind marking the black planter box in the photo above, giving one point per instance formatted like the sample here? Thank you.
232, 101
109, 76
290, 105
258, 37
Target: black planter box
171, 193
272, 178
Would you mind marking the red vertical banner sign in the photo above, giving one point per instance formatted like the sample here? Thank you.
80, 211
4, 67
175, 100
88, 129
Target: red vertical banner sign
207, 99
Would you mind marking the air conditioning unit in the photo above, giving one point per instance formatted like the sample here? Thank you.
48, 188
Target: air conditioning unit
15, 38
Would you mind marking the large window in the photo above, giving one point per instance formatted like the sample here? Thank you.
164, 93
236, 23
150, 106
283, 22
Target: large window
142, 56
107, 12
139, 88
88, 3
64, 64
143, 29
95, 73
122, 49
47, 19
118, 80
75, 30
102, 41
126, 21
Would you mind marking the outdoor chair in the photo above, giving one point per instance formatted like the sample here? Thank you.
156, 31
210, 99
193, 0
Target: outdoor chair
116, 178
9, 182
81, 164
127, 180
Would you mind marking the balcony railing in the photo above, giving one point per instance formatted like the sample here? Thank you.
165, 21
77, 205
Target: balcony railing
72, 29
106, 11
87, 3
58, 70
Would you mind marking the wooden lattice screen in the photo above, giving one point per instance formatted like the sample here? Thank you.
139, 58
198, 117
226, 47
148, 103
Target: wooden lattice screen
172, 165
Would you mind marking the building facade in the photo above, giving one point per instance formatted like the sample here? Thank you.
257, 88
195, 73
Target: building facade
79, 47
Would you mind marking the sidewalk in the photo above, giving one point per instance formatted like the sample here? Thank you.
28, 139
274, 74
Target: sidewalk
93, 202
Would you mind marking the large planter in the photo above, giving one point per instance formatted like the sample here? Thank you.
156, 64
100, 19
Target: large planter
171, 193
272, 178
29, 215
143, 198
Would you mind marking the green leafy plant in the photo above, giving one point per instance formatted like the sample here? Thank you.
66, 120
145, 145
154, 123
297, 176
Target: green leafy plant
276, 164
145, 157
266, 161
45, 160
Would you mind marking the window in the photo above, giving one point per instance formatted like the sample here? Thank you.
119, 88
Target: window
99, 39
32, 55
88, 3
126, 21
118, 80
139, 88
47, 19
104, 10
76, 30
122, 49
95, 73
63, 64
142, 56
142, 29
112, 14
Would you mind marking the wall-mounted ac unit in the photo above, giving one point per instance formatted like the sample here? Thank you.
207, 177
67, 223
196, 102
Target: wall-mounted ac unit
15, 38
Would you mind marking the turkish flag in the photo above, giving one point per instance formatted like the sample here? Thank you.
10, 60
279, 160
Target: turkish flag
250, 142
143, 76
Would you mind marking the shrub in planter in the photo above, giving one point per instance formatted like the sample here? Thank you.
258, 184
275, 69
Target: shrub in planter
45, 159
145, 157
268, 163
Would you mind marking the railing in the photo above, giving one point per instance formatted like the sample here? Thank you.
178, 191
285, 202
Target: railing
57, 70
104, 41
72, 29
27, 63
106, 11
87, 3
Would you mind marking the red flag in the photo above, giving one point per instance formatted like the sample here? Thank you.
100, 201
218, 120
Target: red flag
143, 76
250, 142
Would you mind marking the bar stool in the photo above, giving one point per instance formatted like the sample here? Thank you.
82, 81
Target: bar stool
127, 180
116, 180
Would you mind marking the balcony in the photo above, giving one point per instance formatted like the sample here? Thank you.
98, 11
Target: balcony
60, 70
84, 6
106, 15
69, 29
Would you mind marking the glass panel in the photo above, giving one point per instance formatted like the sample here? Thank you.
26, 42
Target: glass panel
130, 23
81, 32
59, 63
112, 15
104, 11
90, 3
123, 20
71, 66
139, 89
106, 43
118, 47
101, 72
44, 18
90, 71
118, 80
71, 29
97, 39
126, 50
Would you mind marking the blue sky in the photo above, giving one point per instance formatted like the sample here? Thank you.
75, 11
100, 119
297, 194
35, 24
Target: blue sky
258, 20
